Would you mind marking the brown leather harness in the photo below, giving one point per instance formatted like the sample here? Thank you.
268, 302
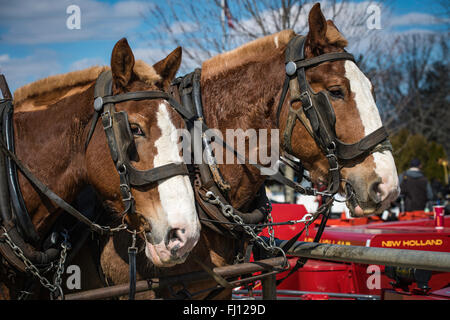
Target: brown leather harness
207, 174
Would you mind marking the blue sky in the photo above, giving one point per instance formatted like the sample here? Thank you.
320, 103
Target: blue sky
35, 42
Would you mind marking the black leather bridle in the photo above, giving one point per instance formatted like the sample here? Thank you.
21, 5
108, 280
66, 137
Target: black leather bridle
120, 139
317, 114
318, 117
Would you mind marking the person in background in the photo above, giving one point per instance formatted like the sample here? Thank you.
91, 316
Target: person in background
438, 190
415, 187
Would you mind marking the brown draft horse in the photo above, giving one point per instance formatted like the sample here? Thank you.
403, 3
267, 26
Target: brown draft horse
51, 122
240, 89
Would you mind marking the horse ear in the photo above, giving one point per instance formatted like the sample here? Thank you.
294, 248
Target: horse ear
122, 63
168, 67
334, 37
317, 28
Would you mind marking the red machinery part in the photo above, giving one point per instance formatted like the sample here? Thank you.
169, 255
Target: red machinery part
350, 278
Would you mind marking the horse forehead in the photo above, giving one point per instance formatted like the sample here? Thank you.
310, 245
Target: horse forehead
164, 117
356, 77
141, 110
331, 70
361, 87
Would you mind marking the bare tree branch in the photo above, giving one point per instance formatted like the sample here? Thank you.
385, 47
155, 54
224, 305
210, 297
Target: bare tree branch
203, 32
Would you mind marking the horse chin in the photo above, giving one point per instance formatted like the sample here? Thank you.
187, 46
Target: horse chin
363, 209
356, 207
358, 211
162, 258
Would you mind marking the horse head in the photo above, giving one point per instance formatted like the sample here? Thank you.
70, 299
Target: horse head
370, 178
164, 211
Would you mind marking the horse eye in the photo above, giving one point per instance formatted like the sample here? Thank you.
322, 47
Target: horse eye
136, 130
336, 92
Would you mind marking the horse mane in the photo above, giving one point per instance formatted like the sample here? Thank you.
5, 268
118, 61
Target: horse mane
48, 89
254, 51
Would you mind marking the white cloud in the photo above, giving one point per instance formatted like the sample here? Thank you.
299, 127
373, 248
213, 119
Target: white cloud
349, 17
415, 18
4, 58
44, 21
180, 27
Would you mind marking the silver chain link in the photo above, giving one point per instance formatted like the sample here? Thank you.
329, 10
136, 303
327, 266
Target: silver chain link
30, 267
271, 230
228, 211
60, 268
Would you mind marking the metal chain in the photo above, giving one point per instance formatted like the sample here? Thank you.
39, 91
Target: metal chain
271, 230
30, 267
109, 230
228, 211
60, 267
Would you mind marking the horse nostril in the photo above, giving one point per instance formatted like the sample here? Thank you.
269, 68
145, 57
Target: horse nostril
173, 235
175, 240
375, 192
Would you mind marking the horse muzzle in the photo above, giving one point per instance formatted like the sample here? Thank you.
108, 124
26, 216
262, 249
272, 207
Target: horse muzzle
170, 250
364, 199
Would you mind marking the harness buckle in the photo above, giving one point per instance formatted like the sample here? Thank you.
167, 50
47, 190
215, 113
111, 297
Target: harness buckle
126, 190
330, 156
109, 124
306, 103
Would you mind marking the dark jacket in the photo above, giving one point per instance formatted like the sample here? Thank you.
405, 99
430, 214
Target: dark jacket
416, 190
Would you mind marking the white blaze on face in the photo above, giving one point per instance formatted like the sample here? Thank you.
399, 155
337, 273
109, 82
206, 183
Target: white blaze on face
176, 194
370, 117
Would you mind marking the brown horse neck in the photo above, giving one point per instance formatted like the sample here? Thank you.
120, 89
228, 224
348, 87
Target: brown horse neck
237, 99
50, 142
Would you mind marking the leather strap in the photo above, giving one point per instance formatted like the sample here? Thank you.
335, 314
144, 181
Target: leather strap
352, 151
144, 95
19, 209
45, 190
132, 251
326, 57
